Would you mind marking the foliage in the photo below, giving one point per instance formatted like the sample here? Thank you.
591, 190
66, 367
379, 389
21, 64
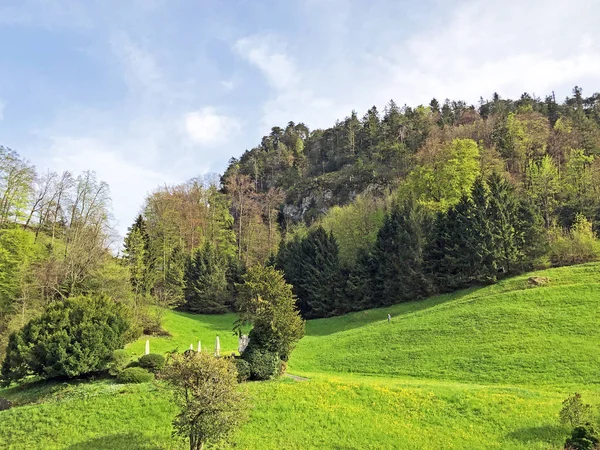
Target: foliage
574, 412
578, 245
583, 438
205, 389
264, 364
354, 227
152, 362
73, 337
397, 258
119, 359
135, 375
266, 301
243, 369
205, 282
311, 265
441, 183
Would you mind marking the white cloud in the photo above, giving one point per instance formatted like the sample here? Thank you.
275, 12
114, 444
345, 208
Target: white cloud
141, 71
206, 127
509, 47
268, 53
228, 85
470, 49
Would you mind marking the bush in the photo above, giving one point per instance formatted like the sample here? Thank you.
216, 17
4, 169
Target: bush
73, 337
583, 438
5, 404
282, 367
574, 412
135, 375
153, 362
264, 364
243, 369
118, 361
577, 246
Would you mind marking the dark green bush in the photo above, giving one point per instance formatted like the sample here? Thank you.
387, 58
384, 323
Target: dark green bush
243, 369
118, 361
583, 438
135, 375
73, 337
133, 364
5, 404
152, 362
264, 364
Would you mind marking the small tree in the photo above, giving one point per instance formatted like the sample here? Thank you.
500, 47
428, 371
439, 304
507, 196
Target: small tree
206, 390
73, 337
574, 412
266, 301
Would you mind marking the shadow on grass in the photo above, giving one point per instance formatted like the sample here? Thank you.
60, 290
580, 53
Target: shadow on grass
124, 441
547, 434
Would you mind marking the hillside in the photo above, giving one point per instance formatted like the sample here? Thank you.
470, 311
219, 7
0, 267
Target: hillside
509, 333
482, 368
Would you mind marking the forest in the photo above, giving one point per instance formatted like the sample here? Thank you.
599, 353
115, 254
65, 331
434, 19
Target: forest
389, 207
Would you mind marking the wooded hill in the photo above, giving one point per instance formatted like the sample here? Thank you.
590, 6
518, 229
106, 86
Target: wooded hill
386, 208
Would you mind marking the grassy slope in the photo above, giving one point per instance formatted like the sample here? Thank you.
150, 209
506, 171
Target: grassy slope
186, 329
484, 368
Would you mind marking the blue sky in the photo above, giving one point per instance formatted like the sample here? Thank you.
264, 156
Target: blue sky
147, 92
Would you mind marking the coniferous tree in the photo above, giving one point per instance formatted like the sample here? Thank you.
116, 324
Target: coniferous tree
321, 284
397, 257
205, 282
137, 256
312, 266
461, 252
504, 218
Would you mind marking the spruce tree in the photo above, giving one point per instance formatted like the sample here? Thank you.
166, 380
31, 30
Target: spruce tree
206, 281
504, 218
320, 280
136, 254
398, 256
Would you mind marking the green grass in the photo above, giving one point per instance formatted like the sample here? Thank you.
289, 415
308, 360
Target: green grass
186, 329
484, 368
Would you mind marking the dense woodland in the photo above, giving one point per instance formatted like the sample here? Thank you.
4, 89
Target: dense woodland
389, 207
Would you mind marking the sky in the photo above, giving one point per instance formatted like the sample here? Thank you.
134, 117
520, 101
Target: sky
148, 92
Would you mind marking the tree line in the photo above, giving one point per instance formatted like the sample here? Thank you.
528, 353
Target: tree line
387, 208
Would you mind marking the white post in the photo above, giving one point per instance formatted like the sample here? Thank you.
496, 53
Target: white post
199, 347
192, 347
218, 347
147, 346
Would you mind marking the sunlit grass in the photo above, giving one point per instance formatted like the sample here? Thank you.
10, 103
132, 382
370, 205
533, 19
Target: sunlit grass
186, 329
480, 369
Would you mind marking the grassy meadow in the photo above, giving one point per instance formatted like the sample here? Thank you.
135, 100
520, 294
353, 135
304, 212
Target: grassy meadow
485, 368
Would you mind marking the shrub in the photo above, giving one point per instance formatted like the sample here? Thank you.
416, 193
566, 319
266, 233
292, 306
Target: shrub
73, 337
5, 404
206, 391
243, 369
577, 246
282, 367
152, 362
135, 375
583, 438
118, 361
574, 412
264, 364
